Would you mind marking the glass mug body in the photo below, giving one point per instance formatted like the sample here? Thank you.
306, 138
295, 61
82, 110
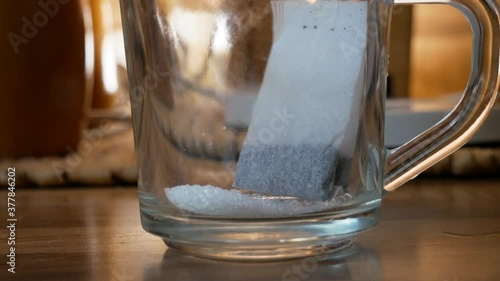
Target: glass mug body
302, 83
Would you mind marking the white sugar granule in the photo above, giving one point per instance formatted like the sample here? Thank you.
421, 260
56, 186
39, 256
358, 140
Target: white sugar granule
215, 201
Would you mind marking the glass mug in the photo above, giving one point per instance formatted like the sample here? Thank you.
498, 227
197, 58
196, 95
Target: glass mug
259, 124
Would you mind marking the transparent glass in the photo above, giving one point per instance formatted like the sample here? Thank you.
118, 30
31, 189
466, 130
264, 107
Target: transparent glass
259, 124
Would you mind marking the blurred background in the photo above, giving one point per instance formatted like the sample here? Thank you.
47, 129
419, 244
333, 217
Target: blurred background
65, 117
436, 59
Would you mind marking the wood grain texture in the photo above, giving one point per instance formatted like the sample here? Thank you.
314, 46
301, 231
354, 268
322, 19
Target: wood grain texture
95, 234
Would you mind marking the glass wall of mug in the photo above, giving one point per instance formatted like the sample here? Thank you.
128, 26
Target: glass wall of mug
258, 124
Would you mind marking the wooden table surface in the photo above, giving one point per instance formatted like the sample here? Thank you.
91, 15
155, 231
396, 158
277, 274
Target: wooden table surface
442, 230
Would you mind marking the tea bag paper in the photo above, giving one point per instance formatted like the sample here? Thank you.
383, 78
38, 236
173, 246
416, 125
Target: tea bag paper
306, 115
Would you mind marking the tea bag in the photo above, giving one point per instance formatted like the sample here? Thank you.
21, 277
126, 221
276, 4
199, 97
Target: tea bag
301, 138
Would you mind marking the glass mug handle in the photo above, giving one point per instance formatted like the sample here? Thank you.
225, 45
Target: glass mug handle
409, 160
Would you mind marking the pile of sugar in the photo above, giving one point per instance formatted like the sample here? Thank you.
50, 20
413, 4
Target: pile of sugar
215, 201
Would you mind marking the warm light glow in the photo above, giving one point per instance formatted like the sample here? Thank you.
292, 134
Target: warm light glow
193, 31
89, 41
221, 42
200, 36
193, 28
108, 55
109, 65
